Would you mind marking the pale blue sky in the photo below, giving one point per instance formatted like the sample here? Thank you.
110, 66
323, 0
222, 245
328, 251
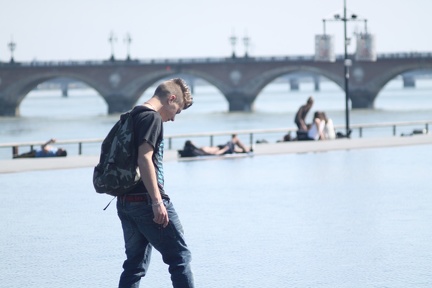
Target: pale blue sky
79, 29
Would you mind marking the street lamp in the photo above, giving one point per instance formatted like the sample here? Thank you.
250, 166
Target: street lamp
112, 39
246, 42
128, 41
347, 61
233, 40
12, 47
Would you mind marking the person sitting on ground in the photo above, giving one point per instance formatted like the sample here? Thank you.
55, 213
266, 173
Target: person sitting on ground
46, 150
287, 137
316, 131
300, 117
329, 130
232, 146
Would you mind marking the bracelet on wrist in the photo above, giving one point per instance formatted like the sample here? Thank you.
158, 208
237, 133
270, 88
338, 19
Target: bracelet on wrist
157, 203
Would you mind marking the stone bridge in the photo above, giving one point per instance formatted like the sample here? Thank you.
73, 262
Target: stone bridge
240, 80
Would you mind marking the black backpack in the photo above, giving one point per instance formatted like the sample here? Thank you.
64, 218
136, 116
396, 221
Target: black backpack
117, 172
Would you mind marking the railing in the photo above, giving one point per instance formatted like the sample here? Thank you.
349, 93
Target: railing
401, 55
394, 126
211, 135
80, 143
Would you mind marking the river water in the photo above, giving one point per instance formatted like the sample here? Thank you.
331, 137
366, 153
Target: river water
357, 218
82, 115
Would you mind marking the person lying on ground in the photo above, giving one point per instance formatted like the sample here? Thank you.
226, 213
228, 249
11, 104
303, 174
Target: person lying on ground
232, 146
286, 138
46, 150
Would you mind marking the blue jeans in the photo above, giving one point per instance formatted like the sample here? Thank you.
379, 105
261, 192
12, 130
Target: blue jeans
141, 233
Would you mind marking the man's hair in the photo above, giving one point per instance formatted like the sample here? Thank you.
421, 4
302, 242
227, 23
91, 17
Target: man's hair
61, 152
178, 87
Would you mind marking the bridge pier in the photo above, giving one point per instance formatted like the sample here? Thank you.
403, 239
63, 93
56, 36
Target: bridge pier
238, 102
64, 88
362, 99
8, 109
316, 81
294, 84
408, 82
119, 103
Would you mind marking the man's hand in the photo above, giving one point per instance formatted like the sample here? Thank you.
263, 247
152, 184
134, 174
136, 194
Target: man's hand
160, 214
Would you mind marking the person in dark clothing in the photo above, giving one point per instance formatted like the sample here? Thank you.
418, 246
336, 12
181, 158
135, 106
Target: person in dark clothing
46, 150
147, 215
300, 117
191, 150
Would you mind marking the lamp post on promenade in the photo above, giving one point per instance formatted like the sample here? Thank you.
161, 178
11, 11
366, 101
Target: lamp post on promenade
347, 61
347, 64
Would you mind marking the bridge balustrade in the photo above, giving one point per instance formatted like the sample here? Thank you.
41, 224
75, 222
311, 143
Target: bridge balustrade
205, 60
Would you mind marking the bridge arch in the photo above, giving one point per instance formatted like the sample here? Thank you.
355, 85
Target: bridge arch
257, 84
140, 84
220, 85
21, 88
380, 82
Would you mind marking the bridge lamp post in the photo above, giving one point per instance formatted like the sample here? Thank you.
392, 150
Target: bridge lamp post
347, 61
112, 39
128, 41
12, 47
246, 41
233, 40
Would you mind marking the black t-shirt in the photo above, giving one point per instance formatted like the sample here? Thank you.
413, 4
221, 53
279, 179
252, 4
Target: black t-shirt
148, 127
301, 114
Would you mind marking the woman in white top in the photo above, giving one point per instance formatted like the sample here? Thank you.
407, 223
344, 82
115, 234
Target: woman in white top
329, 130
316, 131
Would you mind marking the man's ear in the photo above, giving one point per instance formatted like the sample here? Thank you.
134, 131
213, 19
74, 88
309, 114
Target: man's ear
172, 98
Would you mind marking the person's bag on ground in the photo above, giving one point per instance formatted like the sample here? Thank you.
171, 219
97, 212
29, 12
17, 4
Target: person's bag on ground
117, 172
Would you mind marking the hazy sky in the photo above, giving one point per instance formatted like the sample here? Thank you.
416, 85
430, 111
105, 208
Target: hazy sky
79, 29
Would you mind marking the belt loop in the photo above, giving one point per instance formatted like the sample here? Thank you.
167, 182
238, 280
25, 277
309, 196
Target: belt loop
149, 200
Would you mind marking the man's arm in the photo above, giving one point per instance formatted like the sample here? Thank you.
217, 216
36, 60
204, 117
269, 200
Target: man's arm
45, 147
298, 114
320, 128
300, 118
148, 176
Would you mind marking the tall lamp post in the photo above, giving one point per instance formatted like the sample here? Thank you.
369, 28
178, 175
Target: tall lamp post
112, 39
233, 40
246, 42
347, 61
128, 41
12, 47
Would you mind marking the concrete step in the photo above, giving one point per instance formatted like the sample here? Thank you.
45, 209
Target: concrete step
33, 164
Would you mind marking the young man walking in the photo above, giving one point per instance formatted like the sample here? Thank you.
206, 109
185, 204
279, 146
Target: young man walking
147, 215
